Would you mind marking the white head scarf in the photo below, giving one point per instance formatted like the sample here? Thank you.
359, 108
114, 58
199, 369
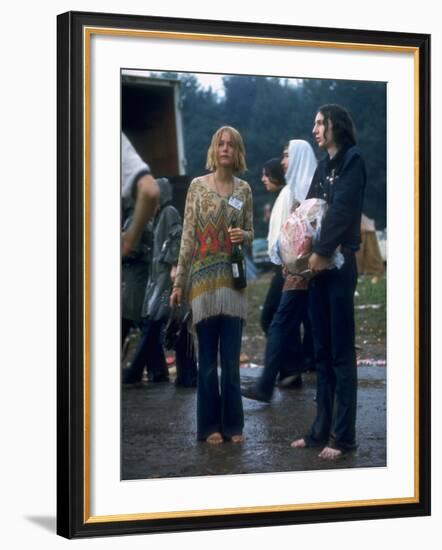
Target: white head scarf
302, 166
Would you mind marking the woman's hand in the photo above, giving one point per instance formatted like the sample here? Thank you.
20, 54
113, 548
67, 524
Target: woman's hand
236, 235
176, 297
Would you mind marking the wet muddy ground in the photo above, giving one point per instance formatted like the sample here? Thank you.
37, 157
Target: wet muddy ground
159, 425
159, 420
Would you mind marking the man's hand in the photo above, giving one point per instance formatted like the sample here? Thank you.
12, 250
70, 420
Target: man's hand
147, 196
318, 263
127, 243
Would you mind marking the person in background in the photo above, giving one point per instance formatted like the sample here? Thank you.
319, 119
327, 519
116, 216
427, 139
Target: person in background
340, 179
283, 352
167, 229
139, 201
139, 193
218, 214
274, 182
299, 164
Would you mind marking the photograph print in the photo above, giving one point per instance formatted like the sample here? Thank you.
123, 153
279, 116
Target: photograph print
253, 274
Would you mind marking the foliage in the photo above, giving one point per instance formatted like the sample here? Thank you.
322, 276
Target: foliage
270, 111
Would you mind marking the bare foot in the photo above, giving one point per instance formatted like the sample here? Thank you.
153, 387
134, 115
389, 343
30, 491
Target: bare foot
237, 438
215, 439
328, 453
298, 444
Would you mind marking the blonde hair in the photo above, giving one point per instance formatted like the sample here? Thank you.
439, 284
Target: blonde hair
239, 157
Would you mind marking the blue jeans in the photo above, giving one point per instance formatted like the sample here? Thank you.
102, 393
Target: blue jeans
283, 338
219, 409
296, 353
332, 310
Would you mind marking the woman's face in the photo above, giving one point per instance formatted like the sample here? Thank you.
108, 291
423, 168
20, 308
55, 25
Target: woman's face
268, 184
226, 151
285, 160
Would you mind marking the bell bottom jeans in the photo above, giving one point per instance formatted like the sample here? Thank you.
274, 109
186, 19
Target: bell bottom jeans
219, 406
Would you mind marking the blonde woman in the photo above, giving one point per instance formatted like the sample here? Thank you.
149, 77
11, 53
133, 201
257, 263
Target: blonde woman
218, 214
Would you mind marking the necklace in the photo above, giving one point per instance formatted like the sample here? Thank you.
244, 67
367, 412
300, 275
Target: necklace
217, 188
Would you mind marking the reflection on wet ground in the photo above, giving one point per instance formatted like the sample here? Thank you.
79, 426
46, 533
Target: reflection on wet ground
159, 426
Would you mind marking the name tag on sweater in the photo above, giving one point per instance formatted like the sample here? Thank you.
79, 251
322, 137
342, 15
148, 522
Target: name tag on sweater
236, 203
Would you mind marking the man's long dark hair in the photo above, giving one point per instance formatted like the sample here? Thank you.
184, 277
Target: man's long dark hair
343, 128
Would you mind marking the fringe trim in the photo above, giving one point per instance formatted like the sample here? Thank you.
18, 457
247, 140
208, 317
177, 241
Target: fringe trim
222, 301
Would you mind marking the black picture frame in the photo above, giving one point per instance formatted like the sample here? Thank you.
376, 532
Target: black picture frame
73, 517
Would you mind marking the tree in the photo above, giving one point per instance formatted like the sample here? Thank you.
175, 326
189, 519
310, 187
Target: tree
269, 111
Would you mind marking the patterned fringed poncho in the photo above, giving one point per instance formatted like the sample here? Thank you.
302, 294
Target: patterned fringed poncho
204, 266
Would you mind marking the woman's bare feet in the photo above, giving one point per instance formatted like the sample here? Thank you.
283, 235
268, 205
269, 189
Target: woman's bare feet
237, 438
215, 439
328, 453
298, 444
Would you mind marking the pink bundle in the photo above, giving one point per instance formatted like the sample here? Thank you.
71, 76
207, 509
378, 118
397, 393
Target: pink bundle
298, 233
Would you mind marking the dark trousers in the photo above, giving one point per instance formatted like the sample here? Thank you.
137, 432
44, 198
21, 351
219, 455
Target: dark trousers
307, 347
149, 353
219, 408
185, 359
283, 339
332, 311
272, 298
299, 349
126, 325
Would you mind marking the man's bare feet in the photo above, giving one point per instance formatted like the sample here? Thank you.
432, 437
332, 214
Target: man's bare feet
328, 453
237, 438
298, 444
215, 439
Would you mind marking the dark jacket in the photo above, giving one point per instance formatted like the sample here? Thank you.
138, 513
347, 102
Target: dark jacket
166, 246
340, 181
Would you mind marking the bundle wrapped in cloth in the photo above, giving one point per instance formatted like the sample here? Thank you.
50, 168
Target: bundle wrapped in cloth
298, 233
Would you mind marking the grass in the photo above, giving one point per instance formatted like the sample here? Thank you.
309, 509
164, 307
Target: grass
370, 322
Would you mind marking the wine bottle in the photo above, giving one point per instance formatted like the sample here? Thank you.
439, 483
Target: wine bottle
238, 267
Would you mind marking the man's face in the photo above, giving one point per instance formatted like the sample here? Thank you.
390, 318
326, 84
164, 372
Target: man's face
323, 137
285, 160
